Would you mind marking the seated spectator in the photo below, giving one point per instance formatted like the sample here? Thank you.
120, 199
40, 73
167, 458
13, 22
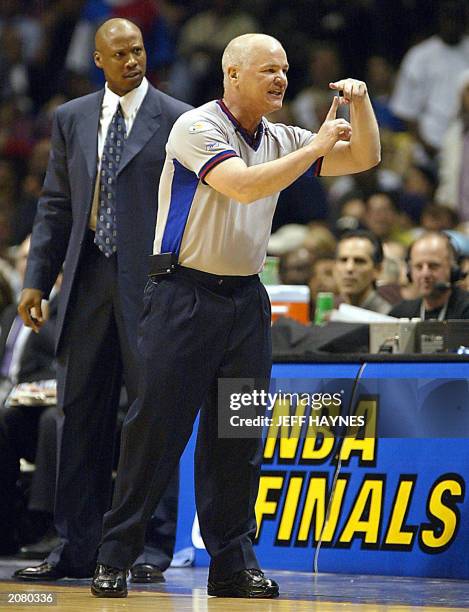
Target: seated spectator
420, 180
322, 278
358, 264
353, 205
24, 357
438, 217
288, 238
295, 267
383, 216
322, 275
418, 190
433, 269
397, 153
319, 240
351, 213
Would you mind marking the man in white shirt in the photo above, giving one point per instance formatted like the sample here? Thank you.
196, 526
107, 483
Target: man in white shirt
206, 314
425, 94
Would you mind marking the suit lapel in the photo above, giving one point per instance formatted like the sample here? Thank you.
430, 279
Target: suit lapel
145, 125
88, 127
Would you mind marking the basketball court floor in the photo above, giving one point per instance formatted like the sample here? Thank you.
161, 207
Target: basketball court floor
185, 591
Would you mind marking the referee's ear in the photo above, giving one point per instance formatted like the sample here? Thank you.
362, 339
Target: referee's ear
233, 73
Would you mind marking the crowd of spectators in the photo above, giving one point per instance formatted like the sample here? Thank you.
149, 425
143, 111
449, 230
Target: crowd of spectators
413, 54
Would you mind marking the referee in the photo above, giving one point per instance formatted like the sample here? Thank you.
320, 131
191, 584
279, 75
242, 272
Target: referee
206, 314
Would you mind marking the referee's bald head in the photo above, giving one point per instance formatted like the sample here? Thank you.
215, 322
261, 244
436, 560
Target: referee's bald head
243, 49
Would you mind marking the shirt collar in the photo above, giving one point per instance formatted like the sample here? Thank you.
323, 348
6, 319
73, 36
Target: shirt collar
130, 103
252, 141
368, 301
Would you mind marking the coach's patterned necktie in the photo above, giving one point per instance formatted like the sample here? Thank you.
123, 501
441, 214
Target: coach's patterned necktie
106, 226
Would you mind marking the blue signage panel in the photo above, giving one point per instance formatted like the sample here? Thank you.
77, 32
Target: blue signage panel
398, 503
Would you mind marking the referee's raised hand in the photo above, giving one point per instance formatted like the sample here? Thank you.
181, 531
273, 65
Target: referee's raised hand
352, 90
333, 129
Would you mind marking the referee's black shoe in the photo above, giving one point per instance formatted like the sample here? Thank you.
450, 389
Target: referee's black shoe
109, 582
249, 583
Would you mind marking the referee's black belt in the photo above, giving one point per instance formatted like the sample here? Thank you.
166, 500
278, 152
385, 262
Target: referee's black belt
165, 265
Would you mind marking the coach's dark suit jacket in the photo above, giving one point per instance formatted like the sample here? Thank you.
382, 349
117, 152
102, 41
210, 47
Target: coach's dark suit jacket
65, 204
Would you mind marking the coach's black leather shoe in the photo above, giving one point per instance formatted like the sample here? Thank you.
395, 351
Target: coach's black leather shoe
41, 548
246, 583
46, 571
146, 572
109, 582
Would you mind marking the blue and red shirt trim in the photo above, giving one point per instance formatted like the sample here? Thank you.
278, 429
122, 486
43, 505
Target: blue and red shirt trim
253, 141
214, 161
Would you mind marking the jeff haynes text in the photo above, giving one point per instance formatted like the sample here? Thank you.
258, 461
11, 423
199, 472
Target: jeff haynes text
292, 420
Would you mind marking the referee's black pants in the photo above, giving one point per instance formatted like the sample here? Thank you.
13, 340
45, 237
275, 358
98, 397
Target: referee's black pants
196, 328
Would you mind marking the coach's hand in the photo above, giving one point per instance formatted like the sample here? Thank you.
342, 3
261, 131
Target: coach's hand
30, 309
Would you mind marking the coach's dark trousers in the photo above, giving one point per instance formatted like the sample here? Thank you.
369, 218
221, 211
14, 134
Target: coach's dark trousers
95, 358
196, 328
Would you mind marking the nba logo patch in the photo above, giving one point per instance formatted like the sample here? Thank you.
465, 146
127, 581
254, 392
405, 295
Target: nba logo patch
199, 126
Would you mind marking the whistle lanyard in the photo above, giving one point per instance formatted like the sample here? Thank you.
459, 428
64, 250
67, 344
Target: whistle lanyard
441, 314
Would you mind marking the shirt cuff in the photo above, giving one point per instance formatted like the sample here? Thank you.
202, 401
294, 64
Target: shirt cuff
316, 167
214, 161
